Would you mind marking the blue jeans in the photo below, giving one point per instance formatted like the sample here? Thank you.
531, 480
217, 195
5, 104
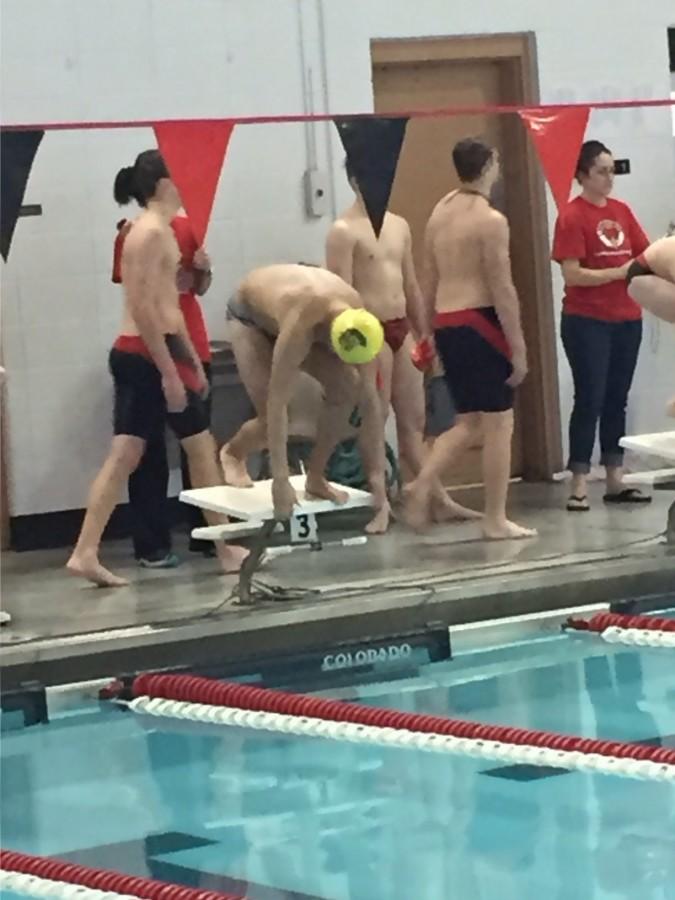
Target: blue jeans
602, 356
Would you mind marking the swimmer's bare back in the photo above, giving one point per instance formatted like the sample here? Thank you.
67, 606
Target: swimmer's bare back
150, 262
374, 266
307, 293
454, 242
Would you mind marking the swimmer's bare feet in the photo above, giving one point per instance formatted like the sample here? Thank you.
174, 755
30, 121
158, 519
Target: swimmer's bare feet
85, 565
445, 509
235, 472
506, 531
380, 521
231, 557
416, 512
320, 489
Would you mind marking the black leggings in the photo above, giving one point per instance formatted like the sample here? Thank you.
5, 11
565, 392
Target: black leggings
602, 356
148, 487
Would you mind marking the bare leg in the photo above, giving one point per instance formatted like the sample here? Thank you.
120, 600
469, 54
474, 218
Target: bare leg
614, 479
253, 356
340, 389
407, 398
579, 485
446, 448
408, 402
498, 432
202, 463
125, 454
251, 437
373, 458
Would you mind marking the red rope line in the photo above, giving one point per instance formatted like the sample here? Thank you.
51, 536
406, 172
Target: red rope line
193, 689
103, 879
489, 109
601, 621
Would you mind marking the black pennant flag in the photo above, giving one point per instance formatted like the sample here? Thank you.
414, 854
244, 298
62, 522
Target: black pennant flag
17, 152
373, 146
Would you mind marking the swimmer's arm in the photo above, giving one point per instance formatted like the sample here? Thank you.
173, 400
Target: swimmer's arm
574, 275
655, 295
497, 262
430, 280
190, 347
660, 257
340, 252
142, 273
415, 307
290, 350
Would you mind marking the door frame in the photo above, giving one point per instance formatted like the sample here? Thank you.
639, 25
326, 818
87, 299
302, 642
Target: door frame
539, 400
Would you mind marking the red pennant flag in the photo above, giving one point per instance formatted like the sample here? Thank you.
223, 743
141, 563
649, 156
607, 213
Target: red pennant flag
194, 153
558, 135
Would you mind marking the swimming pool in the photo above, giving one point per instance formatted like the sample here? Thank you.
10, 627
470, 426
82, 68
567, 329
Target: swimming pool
273, 816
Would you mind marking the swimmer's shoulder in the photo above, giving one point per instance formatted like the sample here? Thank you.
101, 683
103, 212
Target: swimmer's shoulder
145, 232
493, 223
344, 232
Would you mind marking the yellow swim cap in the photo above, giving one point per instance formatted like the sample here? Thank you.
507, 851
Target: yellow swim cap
356, 336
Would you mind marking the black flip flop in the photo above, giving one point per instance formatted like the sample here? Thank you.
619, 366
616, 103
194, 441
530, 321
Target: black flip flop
628, 495
578, 504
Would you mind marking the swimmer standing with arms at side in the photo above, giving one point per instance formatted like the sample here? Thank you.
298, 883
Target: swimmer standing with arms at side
473, 306
156, 371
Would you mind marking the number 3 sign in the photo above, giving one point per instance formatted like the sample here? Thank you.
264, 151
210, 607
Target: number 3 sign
304, 529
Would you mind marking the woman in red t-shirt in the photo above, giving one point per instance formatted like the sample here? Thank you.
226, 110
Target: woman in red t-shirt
596, 238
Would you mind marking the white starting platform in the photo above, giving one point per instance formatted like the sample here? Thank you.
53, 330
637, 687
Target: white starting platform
658, 449
655, 450
254, 510
252, 507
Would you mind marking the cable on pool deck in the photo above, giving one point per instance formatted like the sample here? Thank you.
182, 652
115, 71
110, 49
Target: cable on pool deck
43, 876
215, 702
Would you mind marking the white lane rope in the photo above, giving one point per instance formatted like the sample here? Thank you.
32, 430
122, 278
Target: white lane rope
392, 737
638, 637
34, 886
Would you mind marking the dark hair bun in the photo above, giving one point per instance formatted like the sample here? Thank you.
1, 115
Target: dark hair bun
124, 188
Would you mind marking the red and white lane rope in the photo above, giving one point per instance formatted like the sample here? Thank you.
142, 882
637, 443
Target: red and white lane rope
41, 876
633, 631
220, 703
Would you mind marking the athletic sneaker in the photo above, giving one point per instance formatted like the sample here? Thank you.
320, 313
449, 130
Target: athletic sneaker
167, 561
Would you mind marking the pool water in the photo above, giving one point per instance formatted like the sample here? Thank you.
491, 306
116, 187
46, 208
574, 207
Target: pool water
271, 816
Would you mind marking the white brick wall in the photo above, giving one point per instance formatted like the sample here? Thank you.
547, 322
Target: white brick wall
139, 59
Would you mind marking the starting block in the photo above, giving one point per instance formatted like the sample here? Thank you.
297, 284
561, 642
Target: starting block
253, 507
254, 511
661, 448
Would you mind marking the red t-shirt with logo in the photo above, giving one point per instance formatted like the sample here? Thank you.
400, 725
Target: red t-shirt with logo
189, 304
600, 237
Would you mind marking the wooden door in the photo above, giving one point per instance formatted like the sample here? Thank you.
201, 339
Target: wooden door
473, 73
